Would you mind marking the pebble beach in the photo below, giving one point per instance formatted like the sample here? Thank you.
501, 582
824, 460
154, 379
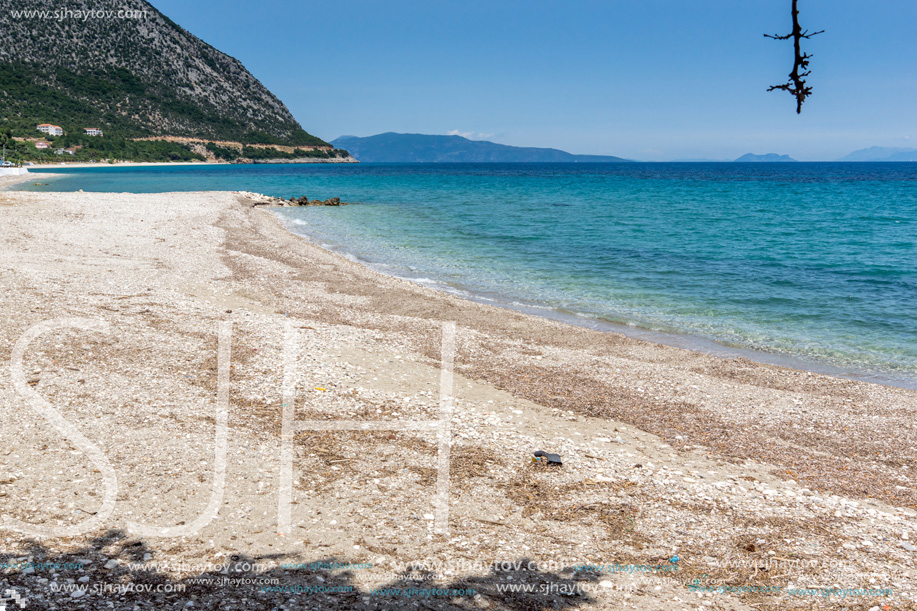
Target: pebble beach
689, 481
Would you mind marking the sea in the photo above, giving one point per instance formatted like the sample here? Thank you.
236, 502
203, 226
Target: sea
809, 265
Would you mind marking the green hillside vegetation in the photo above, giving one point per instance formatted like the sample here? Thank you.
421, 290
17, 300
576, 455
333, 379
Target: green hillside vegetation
133, 78
98, 149
259, 154
115, 148
226, 153
29, 97
254, 153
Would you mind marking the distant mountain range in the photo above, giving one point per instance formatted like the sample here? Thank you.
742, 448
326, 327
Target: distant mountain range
882, 153
421, 148
424, 148
768, 158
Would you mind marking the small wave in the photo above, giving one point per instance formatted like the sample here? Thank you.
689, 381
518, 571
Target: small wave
523, 304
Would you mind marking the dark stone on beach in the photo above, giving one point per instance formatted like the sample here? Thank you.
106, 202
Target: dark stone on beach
552, 459
334, 201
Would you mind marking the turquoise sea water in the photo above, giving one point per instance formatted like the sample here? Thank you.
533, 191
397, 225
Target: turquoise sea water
811, 262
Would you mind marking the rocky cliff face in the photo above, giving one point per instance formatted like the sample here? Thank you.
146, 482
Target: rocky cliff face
135, 70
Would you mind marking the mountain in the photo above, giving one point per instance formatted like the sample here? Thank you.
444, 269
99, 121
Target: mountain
139, 76
768, 158
882, 153
421, 148
697, 160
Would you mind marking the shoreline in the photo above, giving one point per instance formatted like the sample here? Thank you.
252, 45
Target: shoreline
614, 338
564, 334
674, 339
667, 452
121, 164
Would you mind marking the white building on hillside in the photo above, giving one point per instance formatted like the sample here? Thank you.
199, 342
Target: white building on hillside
92, 131
51, 130
42, 145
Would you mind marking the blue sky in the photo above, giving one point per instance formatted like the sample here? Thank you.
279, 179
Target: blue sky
644, 79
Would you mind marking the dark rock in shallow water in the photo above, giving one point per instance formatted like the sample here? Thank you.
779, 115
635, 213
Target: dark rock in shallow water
334, 201
262, 200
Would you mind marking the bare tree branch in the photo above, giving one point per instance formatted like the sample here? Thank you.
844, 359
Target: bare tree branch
796, 84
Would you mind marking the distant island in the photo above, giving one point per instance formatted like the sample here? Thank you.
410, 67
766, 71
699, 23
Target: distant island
768, 158
423, 148
882, 153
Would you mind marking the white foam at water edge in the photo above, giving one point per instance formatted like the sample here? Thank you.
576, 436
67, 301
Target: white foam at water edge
424, 281
343, 253
435, 284
521, 304
299, 222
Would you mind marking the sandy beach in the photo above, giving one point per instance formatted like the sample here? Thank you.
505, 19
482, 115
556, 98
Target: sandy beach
759, 487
